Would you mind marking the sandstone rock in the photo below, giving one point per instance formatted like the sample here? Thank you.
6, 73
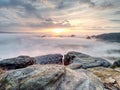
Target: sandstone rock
50, 77
74, 66
85, 60
49, 59
16, 63
110, 77
117, 69
80, 80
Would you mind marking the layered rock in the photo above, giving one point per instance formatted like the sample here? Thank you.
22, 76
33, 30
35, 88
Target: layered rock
85, 61
17, 62
110, 77
49, 77
49, 59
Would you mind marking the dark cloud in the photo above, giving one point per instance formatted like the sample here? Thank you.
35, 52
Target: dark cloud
114, 20
60, 4
25, 5
99, 4
65, 4
15, 3
102, 4
10, 26
48, 20
89, 2
49, 23
117, 13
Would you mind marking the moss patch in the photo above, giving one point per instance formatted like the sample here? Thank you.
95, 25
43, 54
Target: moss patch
3, 83
1, 71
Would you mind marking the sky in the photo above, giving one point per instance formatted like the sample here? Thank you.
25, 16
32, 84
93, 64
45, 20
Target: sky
72, 16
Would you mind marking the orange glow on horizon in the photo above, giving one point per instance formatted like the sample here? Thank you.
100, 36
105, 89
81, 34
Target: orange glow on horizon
59, 31
66, 31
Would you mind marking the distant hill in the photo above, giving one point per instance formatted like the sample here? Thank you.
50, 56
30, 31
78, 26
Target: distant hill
113, 37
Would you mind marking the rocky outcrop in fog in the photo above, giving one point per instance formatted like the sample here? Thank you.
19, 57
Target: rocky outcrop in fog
114, 37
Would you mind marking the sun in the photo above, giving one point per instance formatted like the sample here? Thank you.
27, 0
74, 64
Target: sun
58, 31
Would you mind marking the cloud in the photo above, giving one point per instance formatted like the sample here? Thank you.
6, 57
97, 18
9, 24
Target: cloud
99, 4
58, 13
65, 4
30, 5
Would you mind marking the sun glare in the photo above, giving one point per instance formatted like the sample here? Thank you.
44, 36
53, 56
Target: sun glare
58, 31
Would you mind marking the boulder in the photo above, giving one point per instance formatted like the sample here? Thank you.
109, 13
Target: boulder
110, 77
80, 80
86, 61
49, 77
49, 59
24, 61
17, 62
88, 37
116, 64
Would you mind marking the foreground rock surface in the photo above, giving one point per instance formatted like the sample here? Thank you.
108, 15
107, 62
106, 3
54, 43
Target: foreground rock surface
85, 61
49, 59
110, 77
49, 77
16, 63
